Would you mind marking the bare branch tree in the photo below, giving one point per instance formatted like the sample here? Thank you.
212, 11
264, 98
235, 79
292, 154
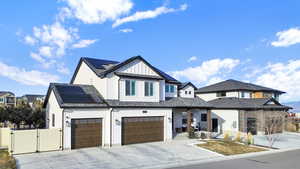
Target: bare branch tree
273, 125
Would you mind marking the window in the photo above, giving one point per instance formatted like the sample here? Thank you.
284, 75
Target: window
203, 117
53, 120
221, 94
1, 100
148, 88
172, 88
186, 92
130, 87
243, 94
167, 88
190, 92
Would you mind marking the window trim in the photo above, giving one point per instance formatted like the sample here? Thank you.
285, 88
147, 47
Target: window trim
149, 91
131, 91
221, 94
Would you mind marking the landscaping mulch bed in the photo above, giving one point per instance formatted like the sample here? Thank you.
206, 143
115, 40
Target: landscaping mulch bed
229, 147
7, 161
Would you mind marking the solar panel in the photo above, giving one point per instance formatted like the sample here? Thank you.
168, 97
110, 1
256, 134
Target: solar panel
74, 94
98, 63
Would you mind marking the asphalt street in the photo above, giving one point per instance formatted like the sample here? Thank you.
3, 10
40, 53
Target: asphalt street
283, 160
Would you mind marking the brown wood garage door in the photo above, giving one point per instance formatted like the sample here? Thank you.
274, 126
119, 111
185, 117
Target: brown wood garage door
86, 133
142, 129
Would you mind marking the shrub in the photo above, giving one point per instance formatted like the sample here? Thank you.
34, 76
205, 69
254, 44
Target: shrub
203, 135
249, 139
291, 127
192, 133
7, 161
238, 137
227, 136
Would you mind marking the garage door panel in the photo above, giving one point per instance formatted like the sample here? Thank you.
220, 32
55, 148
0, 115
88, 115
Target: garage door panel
142, 129
86, 133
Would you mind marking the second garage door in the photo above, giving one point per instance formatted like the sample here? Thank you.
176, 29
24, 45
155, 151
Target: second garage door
142, 129
86, 133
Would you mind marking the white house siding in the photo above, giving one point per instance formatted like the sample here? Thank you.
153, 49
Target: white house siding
162, 94
112, 83
140, 91
228, 120
53, 108
119, 113
86, 76
212, 96
70, 114
137, 67
182, 92
207, 96
180, 114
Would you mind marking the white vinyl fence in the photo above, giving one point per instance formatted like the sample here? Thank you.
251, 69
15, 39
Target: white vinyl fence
30, 141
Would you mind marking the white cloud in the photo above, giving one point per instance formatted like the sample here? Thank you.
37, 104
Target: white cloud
193, 58
33, 77
140, 15
44, 63
96, 11
127, 30
282, 76
207, 70
29, 40
45, 51
287, 38
84, 43
63, 69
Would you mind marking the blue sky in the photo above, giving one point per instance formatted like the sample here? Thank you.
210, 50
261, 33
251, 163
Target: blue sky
200, 41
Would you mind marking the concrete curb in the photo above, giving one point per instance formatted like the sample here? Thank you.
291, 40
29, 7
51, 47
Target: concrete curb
218, 159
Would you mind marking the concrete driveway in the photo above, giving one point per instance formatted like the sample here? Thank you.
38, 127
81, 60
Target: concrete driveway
285, 140
149, 155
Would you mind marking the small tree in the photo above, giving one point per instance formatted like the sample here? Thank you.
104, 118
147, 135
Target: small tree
272, 127
38, 118
3, 116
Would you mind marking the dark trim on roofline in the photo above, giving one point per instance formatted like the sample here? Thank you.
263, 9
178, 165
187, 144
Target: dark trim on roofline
239, 90
137, 76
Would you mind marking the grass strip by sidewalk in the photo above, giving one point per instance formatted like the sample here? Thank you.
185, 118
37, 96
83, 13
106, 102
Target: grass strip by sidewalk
7, 161
229, 147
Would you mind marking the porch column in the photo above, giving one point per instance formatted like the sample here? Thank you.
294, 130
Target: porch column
189, 120
209, 121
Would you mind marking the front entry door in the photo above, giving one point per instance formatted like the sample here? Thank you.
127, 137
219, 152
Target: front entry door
214, 125
251, 126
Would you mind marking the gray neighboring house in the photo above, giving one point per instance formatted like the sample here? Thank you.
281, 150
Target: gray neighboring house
242, 107
7, 99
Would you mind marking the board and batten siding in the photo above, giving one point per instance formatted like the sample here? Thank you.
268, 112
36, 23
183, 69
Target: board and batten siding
53, 108
137, 67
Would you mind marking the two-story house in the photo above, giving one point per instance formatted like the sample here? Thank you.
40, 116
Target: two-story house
117, 103
33, 100
7, 99
240, 106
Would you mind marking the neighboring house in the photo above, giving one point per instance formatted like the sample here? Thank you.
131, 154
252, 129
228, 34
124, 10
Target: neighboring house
31, 99
111, 103
7, 99
243, 107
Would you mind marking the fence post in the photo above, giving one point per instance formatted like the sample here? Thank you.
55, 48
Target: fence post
11, 142
37, 140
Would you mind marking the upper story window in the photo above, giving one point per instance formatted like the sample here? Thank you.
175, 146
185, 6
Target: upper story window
149, 89
190, 92
243, 94
186, 92
1, 100
130, 87
221, 94
170, 88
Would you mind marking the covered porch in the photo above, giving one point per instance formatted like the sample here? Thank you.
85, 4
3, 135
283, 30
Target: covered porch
186, 119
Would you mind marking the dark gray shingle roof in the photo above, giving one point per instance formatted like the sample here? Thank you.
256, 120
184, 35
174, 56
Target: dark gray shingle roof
243, 103
103, 67
76, 96
231, 85
6, 92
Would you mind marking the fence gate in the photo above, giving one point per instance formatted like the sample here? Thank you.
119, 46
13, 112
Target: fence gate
37, 140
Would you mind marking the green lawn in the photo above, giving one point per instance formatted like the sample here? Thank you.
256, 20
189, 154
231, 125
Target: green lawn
229, 147
7, 161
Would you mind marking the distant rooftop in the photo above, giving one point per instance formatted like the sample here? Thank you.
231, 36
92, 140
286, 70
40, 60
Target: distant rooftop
232, 85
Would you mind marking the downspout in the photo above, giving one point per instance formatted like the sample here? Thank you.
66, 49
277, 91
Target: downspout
62, 130
110, 134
